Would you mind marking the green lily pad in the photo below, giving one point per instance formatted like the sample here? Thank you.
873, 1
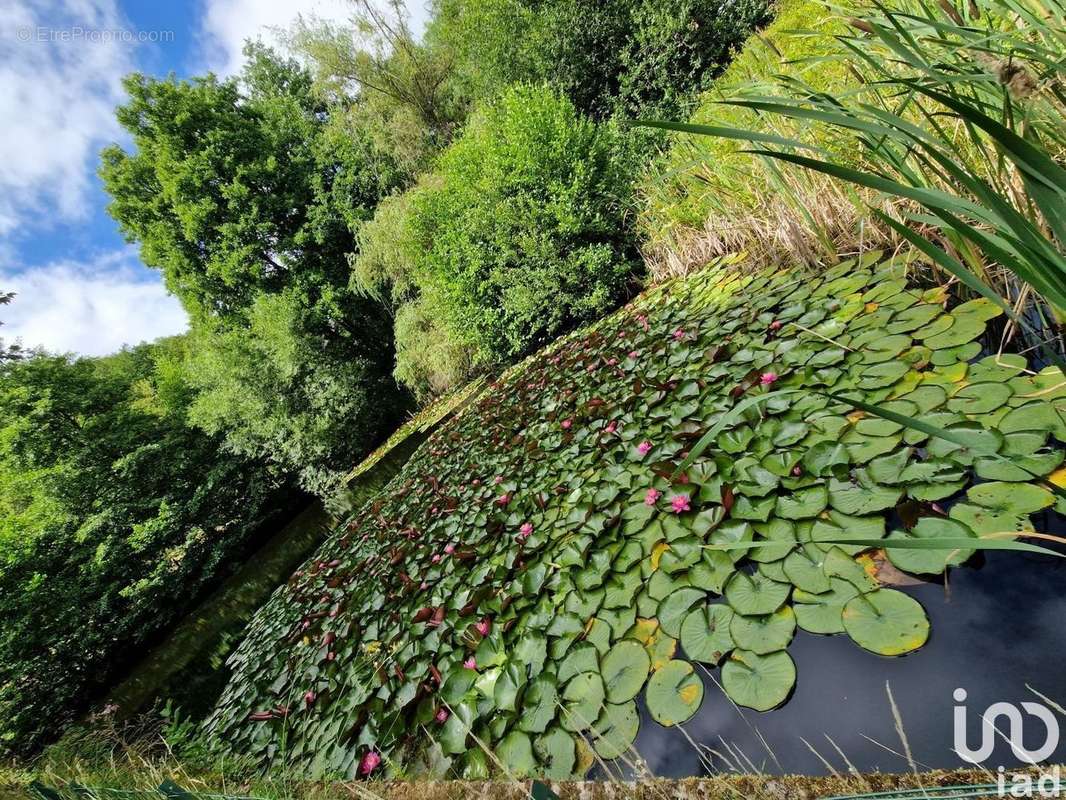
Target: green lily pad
822, 612
624, 670
929, 562
802, 504
776, 530
539, 704
583, 699
616, 730
674, 609
766, 633
886, 622
515, 752
705, 633
557, 754
755, 594
803, 567
674, 693
759, 682
1011, 498
582, 657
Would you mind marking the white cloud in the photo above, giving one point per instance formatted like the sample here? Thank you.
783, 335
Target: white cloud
226, 24
89, 309
57, 104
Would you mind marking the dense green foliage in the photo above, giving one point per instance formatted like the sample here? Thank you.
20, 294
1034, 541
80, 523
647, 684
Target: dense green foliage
626, 57
115, 516
246, 199
535, 566
521, 227
519, 233
703, 181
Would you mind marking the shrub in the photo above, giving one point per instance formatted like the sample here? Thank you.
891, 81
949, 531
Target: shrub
520, 233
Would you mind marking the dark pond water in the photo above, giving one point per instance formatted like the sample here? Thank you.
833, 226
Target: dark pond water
999, 626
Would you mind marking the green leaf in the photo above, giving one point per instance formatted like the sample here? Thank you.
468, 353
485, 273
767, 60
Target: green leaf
759, 682
765, 633
616, 730
624, 668
705, 633
886, 622
674, 693
583, 699
755, 594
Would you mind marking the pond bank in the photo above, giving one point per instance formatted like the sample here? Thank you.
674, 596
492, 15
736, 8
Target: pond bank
722, 787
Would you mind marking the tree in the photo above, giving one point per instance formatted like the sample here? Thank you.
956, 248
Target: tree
9, 352
374, 69
628, 57
247, 199
115, 517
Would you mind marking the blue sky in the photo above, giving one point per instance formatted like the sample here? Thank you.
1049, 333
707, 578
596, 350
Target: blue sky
80, 287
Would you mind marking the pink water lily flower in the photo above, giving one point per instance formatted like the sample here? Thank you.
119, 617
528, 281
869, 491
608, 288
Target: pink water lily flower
498, 479
612, 426
442, 716
652, 496
470, 663
679, 334
679, 503
768, 378
525, 530
644, 447
484, 626
775, 325
503, 499
449, 548
369, 763
423, 586
436, 558
566, 423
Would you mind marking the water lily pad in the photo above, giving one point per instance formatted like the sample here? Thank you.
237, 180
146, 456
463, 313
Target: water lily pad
1011, 498
557, 754
852, 498
822, 612
582, 657
755, 594
582, 701
624, 670
705, 633
802, 504
803, 567
776, 530
886, 622
674, 693
539, 704
979, 398
765, 633
930, 562
515, 752
759, 682
675, 607
616, 730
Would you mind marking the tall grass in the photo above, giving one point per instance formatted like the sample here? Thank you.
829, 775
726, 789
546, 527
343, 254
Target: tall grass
957, 120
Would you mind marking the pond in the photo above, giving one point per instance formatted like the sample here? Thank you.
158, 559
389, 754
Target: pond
997, 628
686, 483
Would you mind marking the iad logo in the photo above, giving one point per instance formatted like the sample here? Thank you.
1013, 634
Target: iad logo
1015, 725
